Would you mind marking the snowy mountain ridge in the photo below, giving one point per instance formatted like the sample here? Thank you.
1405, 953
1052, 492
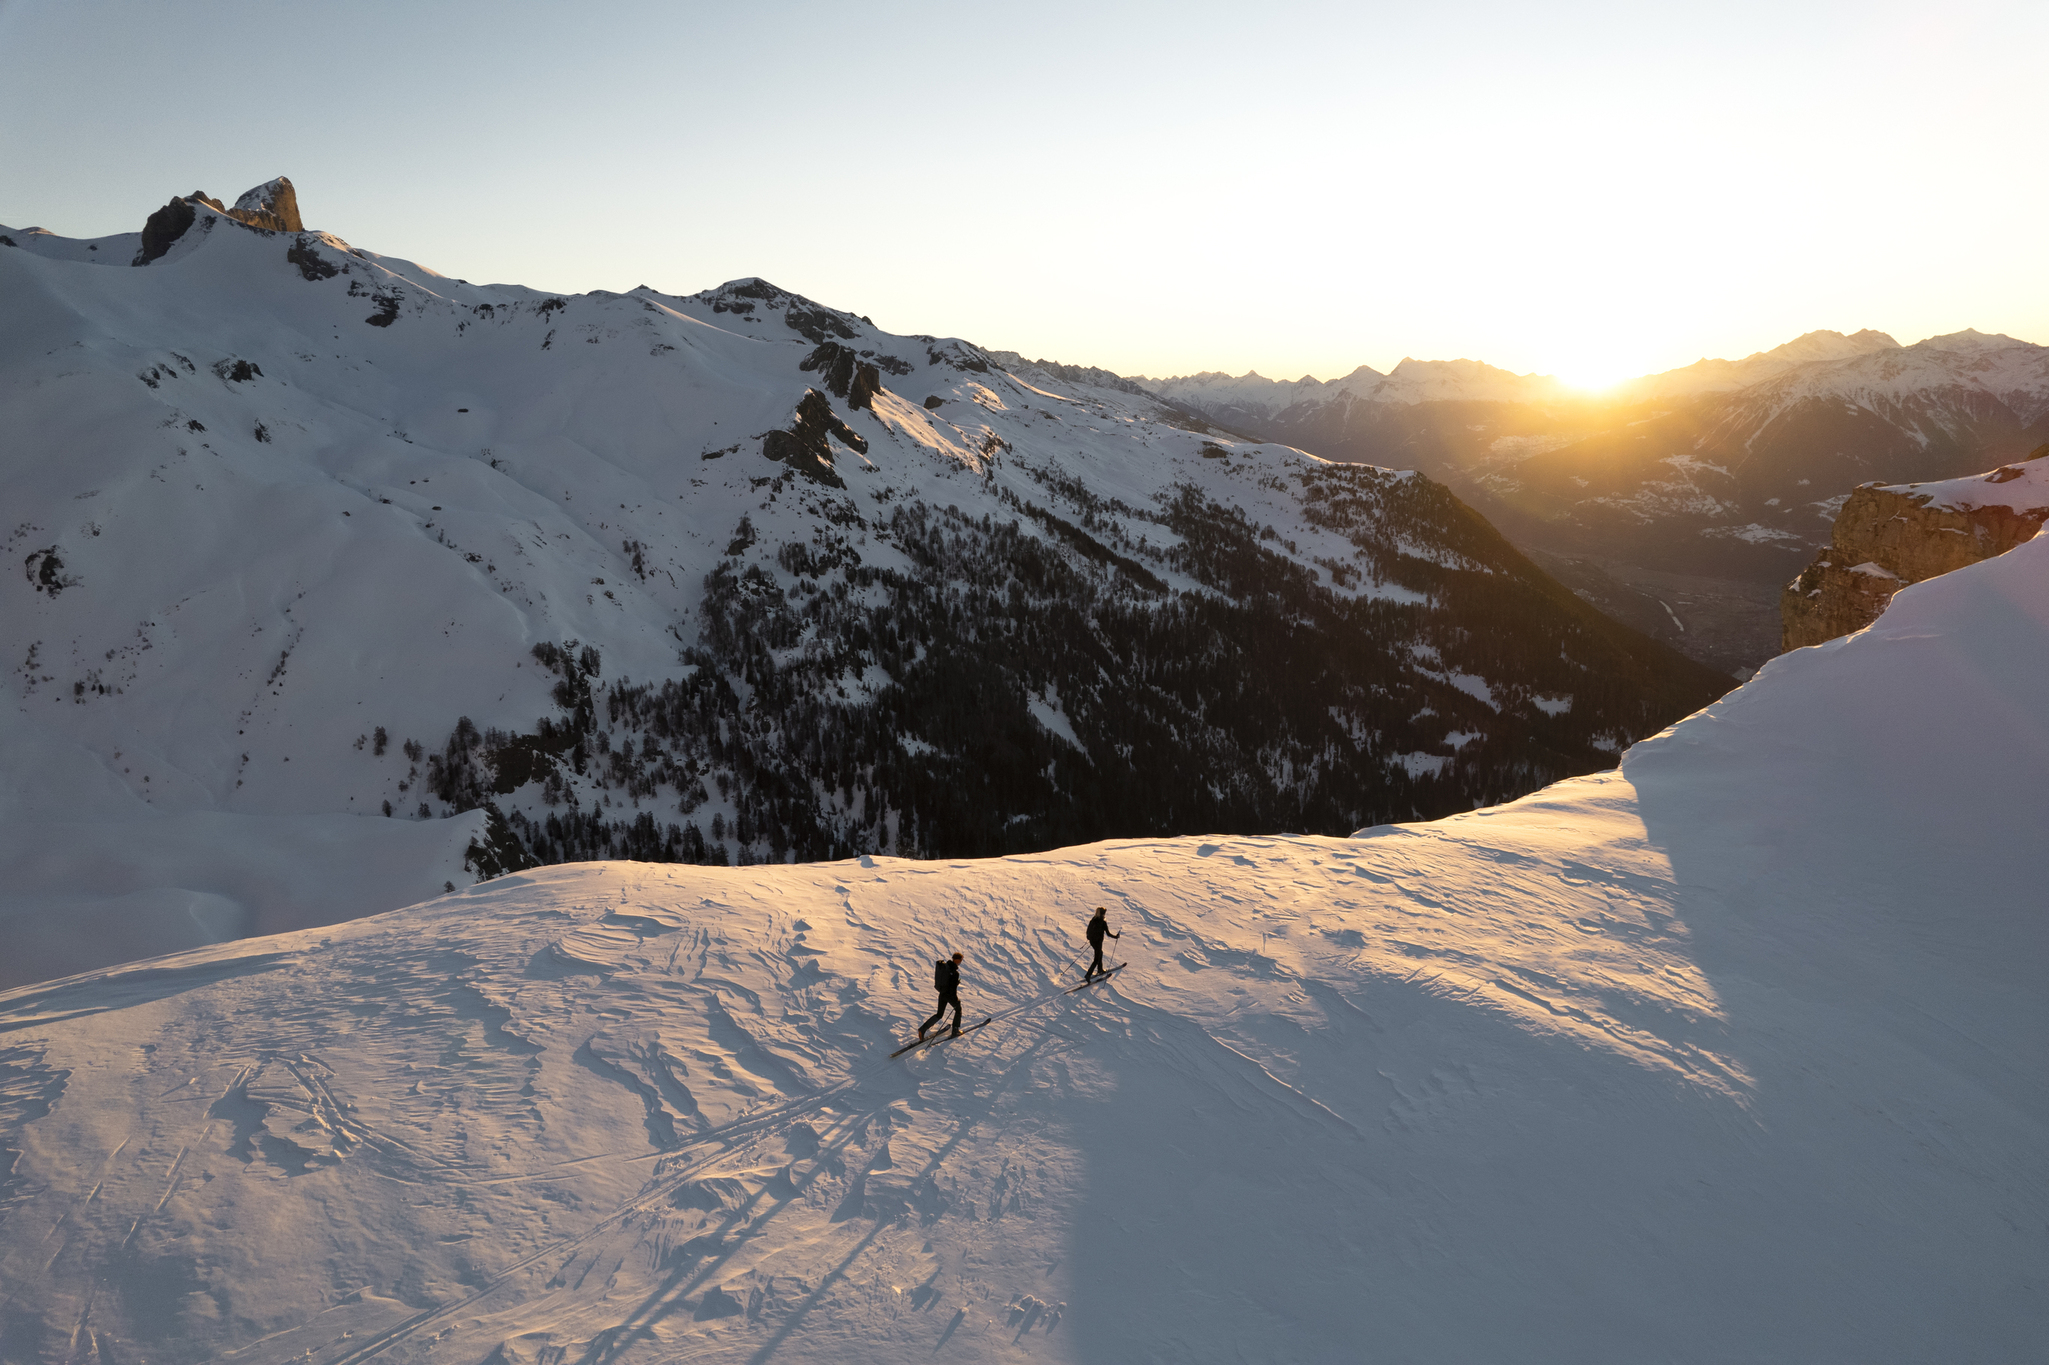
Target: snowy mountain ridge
1823, 360
345, 582
1412, 381
1711, 376
1418, 381
1954, 368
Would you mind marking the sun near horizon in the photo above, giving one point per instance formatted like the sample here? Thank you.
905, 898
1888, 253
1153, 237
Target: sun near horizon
1595, 377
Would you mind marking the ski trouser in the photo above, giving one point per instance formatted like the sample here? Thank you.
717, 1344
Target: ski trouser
1097, 965
945, 998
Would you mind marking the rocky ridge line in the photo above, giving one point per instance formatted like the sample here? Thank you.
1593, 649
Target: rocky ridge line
272, 206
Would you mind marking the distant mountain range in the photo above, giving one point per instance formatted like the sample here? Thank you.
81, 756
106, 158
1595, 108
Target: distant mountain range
1722, 467
344, 581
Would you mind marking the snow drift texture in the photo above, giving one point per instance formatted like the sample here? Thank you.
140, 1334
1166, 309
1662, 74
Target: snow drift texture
340, 582
1731, 1055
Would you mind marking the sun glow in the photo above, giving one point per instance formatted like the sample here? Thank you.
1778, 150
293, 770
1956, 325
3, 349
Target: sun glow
1594, 376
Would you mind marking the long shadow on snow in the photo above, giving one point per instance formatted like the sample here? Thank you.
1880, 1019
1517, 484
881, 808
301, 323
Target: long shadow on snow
1867, 903
1437, 1184
97, 992
673, 1294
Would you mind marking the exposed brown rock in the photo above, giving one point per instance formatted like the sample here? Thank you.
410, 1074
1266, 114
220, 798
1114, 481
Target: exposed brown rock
1830, 598
1887, 537
273, 206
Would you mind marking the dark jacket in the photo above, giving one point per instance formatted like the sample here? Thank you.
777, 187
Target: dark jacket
1098, 928
946, 977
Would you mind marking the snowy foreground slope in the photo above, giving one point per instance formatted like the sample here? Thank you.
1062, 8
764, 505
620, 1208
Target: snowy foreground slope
338, 582
1731, 1055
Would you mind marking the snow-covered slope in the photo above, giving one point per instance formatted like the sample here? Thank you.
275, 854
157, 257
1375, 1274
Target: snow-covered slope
316, 536
2024, 487
1731, 1055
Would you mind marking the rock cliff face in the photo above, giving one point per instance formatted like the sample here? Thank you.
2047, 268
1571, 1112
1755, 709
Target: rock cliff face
1889, 536
164, 227
272, 206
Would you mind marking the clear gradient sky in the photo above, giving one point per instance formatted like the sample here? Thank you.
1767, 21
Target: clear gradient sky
1593, 190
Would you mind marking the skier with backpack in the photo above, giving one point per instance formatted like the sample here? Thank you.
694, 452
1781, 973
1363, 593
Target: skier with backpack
1098, 928
945, 979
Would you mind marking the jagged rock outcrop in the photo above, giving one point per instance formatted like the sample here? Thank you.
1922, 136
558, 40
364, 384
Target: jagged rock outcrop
166, 226
272, 206
1888, 536
805, 447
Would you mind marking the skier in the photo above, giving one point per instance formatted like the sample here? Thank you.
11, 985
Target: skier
1098, 927
946, 978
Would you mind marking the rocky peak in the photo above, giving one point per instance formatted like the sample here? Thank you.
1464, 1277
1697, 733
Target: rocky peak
1887, 537
271, 206
813, 321
1828, 345
166, 226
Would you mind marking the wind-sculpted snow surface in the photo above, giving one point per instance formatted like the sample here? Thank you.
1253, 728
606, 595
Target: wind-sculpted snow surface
1731, 1055
315, 544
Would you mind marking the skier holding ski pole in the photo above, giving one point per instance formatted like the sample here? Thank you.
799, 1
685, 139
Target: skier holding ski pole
945, 979
1098, 928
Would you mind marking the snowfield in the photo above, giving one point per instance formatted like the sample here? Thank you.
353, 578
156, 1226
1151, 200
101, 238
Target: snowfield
2024, 487
1731, 1055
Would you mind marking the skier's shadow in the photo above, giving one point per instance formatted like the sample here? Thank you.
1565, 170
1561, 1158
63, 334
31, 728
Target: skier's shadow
672, 1294
968, 1123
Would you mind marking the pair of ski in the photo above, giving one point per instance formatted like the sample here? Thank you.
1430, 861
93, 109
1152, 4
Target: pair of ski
937, 1038
950, 1034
